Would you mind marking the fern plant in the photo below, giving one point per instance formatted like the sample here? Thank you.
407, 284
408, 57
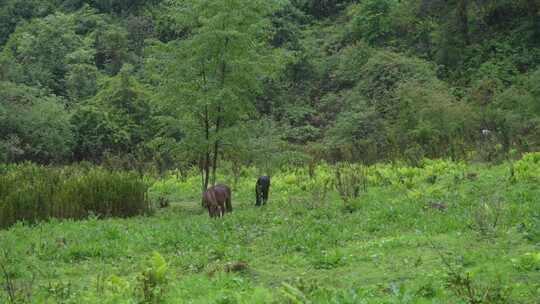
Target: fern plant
153, 279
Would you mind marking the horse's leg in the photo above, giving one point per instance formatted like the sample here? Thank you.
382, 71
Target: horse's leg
208, 207
217, 209
257, 196
221, 209
265, 196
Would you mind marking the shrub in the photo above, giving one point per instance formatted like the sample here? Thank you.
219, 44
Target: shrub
153, 279
16, 291
350, 181
528, 168
31, 193
527, 262
467, 286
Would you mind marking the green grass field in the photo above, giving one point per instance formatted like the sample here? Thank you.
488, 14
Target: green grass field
446, 233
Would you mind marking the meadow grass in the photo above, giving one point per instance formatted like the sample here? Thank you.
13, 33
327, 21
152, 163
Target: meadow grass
444, 233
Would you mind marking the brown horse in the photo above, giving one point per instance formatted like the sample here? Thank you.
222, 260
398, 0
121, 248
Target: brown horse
217, 200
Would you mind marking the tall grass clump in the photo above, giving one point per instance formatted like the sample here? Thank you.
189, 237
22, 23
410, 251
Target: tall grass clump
32, 193
527, 168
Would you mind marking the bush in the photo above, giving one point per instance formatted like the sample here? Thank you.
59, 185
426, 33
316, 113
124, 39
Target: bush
527, 262
31, 193
371, 20
385, 71
35, 126
350, 181
153, 279
527, 168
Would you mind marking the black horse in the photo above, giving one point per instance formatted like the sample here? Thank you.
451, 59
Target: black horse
261, 190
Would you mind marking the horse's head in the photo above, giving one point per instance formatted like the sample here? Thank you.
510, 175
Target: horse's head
205, 199
208, 197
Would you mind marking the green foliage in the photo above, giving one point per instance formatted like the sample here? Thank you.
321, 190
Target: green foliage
110, 6
374, 79
384, 71
116, 120
214, 74
350, 60
34, 193
13, 12
398, 103
96, 133
350, 181
111, 43
39, 52
81, 81
153, 279
359, 134
527, 262
467, 289
515, 114
371, 20
527, 167
321, 8
174, 188
287, 26
293, 295
35, 126
431, 118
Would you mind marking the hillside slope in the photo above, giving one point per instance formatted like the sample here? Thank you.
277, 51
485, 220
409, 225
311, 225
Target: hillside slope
357, 80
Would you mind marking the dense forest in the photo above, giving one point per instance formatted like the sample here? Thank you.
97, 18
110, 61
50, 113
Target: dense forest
177, 83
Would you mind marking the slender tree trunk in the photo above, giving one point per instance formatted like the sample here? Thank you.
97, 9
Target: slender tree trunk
204, 162
207, 148
463, 20
206, 170
201, 171
534, 14
205, 166
219, 118
216, 145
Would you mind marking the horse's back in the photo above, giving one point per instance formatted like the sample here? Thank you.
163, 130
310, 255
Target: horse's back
223, 195
264, 181
222, 191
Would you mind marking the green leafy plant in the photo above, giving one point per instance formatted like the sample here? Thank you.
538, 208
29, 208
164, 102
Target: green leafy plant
17, 291
350, 181
293, 295
466, 286
487, 216
528, 261
153, 279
